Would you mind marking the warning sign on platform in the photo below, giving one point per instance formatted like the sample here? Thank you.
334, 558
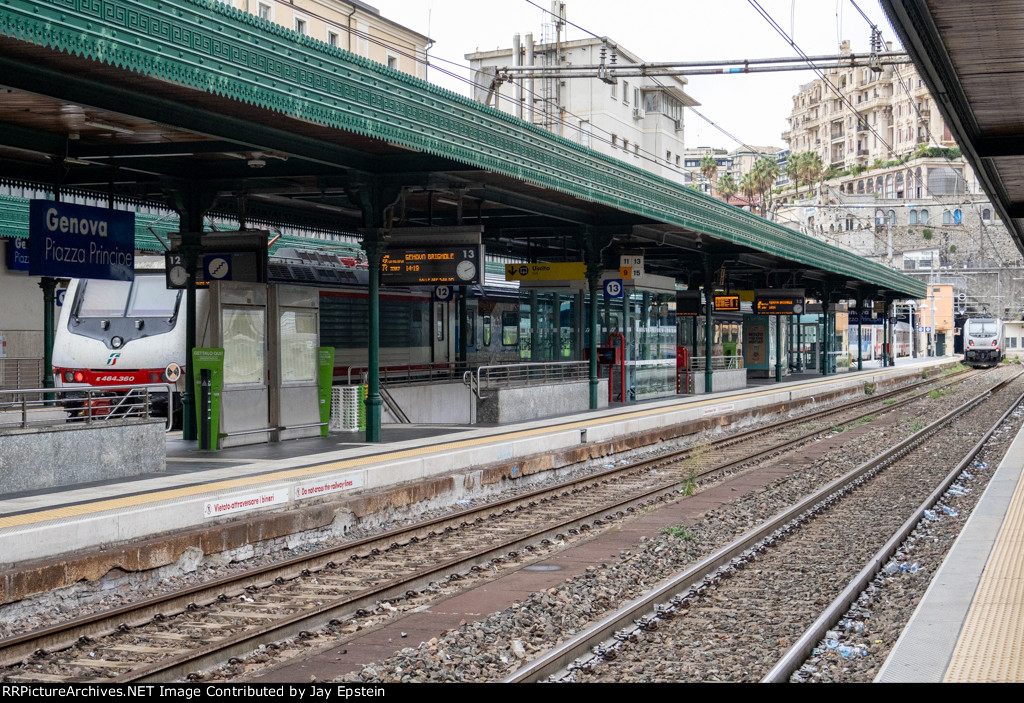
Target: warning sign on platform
323, 486
250, 501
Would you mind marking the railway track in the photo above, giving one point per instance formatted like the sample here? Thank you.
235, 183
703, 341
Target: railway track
756, 608
167, 638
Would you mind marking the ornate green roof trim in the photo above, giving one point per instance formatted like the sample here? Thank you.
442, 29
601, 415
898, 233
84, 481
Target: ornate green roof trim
217, 49
14, 225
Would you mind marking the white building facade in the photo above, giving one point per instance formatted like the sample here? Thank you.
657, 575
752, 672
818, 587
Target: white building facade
635, 119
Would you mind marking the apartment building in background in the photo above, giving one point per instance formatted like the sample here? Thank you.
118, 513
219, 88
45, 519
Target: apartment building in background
636, 119
349, 25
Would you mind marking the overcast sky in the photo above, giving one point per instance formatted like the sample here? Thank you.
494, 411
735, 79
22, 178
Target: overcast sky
752, 108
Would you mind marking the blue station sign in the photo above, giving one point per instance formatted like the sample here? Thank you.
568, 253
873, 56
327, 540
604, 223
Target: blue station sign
17, 254
78, 241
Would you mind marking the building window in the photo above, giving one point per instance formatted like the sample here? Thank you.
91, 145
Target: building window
946, 218
892, 217
265, 12
986, 214
625, 92
392, 62
860, 187
879, 217
585, 133
958, 217
924, 217
333, 38
913, 217
613, 90
301, 25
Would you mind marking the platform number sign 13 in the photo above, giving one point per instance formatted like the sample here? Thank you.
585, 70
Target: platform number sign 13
613, 288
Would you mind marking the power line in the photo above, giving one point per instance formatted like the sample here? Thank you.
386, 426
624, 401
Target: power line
845, 100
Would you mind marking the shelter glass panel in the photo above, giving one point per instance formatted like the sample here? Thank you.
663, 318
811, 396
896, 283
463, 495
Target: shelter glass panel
244, 334
298, 346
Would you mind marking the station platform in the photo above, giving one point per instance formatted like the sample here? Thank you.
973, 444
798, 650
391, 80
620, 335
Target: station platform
217, 501
968, 627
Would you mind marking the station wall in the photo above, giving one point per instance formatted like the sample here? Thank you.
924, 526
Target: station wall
21, 314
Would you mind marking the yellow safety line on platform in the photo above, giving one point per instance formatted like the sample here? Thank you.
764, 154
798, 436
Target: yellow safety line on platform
102, 505
990, 648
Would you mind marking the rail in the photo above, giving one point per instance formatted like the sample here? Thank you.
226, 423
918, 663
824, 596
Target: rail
21, 373
530, 374
40, 407
404, 374
840, 360
718, 363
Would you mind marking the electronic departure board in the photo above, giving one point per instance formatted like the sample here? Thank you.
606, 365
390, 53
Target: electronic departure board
726, 303
688, 304
778, 306
779, 301
455, 265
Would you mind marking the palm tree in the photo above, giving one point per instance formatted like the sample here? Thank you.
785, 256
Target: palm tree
709, 168
811, 167
793, 166
727, 187
748, 186
766, 172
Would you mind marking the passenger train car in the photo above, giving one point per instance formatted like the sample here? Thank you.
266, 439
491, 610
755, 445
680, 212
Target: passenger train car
983, 341
116, 333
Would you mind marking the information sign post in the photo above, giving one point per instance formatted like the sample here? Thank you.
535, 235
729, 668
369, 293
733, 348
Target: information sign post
208, 378
325, 356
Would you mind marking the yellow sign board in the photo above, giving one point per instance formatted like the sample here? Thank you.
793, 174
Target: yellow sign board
726, 303
560, 271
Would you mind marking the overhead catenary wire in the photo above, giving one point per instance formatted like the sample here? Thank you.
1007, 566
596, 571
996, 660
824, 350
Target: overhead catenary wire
735, 139
846, 101
599, 134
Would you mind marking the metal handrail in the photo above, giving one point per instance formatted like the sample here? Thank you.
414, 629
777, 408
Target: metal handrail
408, 374
51, 406
16, 372
718, 363
528, 374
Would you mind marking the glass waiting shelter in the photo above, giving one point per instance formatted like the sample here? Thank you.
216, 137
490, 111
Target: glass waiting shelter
640, 320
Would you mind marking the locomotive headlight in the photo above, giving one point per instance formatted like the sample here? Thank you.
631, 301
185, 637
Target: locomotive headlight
116, 342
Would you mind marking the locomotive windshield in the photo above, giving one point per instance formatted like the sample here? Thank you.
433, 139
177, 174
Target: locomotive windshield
147, 296
982, 329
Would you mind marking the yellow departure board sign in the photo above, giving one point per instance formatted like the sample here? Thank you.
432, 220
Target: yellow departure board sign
726, 303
